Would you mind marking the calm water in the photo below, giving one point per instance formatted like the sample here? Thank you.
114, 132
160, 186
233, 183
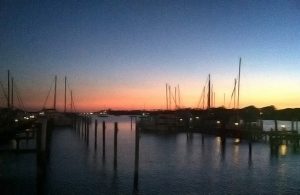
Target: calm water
169, 164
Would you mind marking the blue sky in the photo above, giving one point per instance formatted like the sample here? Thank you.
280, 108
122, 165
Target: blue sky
128, 50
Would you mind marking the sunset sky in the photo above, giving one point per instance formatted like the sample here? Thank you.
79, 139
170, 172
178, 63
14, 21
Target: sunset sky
120, 54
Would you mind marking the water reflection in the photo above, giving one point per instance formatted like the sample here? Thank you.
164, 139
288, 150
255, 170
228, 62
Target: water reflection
283, 150
166, 164
250, 153
223, 148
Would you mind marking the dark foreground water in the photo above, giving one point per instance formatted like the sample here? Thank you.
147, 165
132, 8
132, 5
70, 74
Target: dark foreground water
169, 164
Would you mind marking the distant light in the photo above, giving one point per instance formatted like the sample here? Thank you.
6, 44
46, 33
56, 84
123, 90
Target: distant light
181, 119
197, 117
283, 126
218, 122
236, 124
237, 140
261, 113
91, 113
191, 119
32, 116
26, 118
42, 113
16, 120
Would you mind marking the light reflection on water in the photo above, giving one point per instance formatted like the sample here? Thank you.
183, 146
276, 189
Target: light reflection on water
169, 164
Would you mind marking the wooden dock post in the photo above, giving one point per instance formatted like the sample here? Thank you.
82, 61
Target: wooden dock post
103, 138
276, 126
82, 126
115, 144
87, 130
136, 160
43, 135
96, 126
250, 148
41, 147
223, 147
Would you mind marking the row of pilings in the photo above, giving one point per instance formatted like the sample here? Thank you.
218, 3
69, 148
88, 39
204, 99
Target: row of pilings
82, 126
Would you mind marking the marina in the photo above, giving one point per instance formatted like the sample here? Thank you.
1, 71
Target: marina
172, 163
149, 97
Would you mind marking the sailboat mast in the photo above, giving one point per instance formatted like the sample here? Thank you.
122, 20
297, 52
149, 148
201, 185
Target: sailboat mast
234, 93
167, 100
203, 103
208, 94
212, 95
178, 96
238, 99
8, 89
175, 98
55, 81
72, 101
65, 109
170, 96
12, 92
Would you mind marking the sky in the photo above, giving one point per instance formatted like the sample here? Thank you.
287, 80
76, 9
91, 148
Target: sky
120, 54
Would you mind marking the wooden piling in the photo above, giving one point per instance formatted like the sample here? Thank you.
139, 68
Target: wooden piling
136, 160
103, 138
115, 144
82, 126
87, 130
276, 126
44, 135
41, 147
250, 148
96, 126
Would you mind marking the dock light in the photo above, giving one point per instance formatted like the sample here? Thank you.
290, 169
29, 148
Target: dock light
218, 122
236, 124
16, 120
197, 117
237, 140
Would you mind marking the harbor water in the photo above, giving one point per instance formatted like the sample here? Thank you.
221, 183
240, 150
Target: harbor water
168, 164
